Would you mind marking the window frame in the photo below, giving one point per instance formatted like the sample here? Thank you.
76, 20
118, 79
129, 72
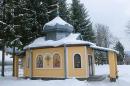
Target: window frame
80, 61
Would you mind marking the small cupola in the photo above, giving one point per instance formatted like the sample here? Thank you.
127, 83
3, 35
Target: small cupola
57, 29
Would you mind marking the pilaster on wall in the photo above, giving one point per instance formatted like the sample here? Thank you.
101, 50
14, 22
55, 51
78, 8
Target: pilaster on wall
16, 66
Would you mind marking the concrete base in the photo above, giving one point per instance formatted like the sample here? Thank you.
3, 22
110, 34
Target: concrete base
45, 78
113, 79
97, 78
117, 77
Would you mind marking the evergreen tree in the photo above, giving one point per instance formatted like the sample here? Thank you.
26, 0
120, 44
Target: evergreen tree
24, 21
18, 20
25, 18
52, 8
63, 10
81, 21
119, 47
30, 16
6, 27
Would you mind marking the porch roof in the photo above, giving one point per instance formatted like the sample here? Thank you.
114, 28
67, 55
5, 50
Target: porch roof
103, 49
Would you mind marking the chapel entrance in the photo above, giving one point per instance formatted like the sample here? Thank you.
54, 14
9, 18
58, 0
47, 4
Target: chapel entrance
90, 60
111, 66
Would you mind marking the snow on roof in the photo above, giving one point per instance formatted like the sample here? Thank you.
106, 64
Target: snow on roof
7, 57
57, 20
102, 48
71, 39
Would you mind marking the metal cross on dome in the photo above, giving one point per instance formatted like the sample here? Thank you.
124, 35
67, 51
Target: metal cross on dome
57, 8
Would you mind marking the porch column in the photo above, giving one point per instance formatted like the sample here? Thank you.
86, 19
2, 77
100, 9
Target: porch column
116, 65
16, 66
112, 65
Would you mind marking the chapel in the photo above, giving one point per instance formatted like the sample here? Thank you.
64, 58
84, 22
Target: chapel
63, 54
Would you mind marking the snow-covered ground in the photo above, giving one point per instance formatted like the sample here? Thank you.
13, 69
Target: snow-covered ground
8, 70
124, 79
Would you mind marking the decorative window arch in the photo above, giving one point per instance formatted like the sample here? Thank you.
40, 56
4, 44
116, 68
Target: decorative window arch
39, 61
77, 61
56, 61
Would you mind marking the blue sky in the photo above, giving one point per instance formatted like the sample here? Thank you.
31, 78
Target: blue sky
113, 13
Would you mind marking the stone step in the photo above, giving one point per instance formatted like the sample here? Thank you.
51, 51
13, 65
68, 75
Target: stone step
97, 78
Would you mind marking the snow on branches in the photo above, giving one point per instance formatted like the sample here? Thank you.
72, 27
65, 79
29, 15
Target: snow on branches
2, 22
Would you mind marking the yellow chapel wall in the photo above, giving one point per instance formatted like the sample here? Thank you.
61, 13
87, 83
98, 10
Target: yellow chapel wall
112, 64
77, 72
47, 70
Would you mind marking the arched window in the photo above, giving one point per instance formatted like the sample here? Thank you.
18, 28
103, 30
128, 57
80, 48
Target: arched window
77, 61
39, 61
56, 61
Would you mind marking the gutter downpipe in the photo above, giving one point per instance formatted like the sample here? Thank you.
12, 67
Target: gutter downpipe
30, 61
65, 60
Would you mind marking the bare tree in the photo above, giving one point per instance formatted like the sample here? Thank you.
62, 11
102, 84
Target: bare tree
102, 35
128, 27
103, 39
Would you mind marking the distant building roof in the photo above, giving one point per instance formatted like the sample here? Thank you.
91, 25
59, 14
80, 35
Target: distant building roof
103, 48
